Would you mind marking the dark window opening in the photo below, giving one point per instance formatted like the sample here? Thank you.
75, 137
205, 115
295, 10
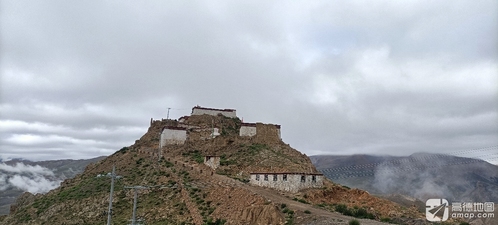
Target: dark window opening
257, 176
266, 177
313, 179
303, 178
274, 177
284, 177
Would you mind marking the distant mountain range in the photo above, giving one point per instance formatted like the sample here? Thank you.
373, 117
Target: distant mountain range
421, 175
19, 175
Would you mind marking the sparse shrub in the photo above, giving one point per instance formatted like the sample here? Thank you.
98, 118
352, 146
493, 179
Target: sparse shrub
341, 208
168, 164
256, 148
354, 212
290, 216
225, 162
464, 223
307, 212
123, 150
171, 182
283, 205
302, 201
362, 213
218, 221
195, 155
354, 222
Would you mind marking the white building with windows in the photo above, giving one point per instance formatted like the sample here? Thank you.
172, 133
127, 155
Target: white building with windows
291, 182
197, 110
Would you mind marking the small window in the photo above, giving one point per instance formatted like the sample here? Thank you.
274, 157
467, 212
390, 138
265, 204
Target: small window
266, 177
303, 178
284, 177
274, 177
313, 179
257, 176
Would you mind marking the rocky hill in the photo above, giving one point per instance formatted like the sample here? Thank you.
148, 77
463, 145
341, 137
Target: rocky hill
178, 188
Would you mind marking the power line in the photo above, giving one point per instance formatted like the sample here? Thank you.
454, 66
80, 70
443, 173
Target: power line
113, 176
135, 197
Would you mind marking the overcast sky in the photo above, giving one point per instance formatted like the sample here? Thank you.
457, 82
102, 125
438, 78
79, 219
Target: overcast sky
80, 79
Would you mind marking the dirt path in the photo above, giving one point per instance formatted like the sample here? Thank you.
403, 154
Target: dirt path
318, 216
321, 216
294, 205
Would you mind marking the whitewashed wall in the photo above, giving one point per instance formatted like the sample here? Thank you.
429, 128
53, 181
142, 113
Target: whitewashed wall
293, 183
247, 131
197, 111
173, 137
215, 133
212, 161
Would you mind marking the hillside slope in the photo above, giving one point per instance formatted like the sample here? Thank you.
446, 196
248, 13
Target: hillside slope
183, 190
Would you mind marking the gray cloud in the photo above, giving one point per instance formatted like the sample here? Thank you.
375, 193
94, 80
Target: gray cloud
34, 179
21, 168
82, 79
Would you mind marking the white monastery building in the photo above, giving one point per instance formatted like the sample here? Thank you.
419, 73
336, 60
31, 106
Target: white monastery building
291, 182
173, 136
197, 110
247, 129
254, 129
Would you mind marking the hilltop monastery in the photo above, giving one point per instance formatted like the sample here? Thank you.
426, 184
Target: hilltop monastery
287, 181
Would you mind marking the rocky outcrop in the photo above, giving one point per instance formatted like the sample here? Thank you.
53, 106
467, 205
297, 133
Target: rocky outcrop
262, 214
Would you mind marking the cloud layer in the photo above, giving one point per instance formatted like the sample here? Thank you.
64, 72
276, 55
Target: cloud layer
34, 179
82, 79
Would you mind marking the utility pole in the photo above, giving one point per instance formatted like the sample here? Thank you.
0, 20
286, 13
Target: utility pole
135, 198
160, 146
109, 213
167, 117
